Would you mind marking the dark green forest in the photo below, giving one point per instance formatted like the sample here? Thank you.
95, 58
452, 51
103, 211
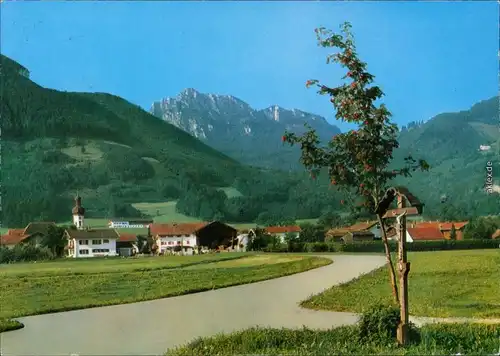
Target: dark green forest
115, 154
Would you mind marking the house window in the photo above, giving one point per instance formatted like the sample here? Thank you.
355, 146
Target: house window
96, 242
178, 242
100, 250
170, 242
84, 252
83, 242
105, 241
187, 242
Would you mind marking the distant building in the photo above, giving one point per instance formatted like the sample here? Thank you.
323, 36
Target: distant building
191, 237
33, 233
91, 242
423, 234
281, 231
84, 242
127, 244
443, 227
484, 148
78, 213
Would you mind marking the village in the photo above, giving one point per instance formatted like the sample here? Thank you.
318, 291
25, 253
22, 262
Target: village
203, 237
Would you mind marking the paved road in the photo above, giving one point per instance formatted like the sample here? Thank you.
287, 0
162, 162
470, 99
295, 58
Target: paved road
149, 328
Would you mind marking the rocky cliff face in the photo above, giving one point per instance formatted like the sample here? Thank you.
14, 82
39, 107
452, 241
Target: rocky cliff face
233, 127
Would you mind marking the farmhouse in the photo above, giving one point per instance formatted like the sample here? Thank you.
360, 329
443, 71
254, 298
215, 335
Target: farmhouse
32, 233
191, 236
370, 226
444, 227
336, 235
362, 231
423, 234
282, 231
91, 242
355, 236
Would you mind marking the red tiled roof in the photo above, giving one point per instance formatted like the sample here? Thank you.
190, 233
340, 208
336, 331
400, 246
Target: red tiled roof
496, 234
282, 229
13, 236
338, 232
425, 233
124, 237
361, 226
443, 226
176, 229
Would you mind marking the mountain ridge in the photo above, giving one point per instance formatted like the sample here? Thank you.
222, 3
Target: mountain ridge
233, 127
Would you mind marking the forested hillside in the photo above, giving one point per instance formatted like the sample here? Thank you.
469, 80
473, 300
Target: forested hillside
115, 154
450, 142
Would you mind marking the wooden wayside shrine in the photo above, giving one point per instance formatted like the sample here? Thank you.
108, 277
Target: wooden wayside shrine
415, 207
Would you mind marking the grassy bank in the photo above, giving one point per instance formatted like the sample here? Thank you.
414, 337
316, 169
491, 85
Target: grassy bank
52, 289
441, 284
436, 339
9, 325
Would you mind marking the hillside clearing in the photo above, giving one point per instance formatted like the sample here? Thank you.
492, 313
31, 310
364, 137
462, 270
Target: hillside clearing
90, 152
231, 192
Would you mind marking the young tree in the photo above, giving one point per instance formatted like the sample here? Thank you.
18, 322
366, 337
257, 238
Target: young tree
329, 219
55, 240
289, 239
357, 161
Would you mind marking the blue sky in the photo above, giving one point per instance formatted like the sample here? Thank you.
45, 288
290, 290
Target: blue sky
428, 57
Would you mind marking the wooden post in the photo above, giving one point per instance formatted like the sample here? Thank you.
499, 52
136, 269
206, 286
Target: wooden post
404, 269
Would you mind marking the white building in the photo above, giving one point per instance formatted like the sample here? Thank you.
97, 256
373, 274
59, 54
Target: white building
188, 238
78, 213
281, 231
84, 242
167, 236
91, 242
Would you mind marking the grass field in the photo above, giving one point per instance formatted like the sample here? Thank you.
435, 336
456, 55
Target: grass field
110, 265
437, 339
441, 284
39, 288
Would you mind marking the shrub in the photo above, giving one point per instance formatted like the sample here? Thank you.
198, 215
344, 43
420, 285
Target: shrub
25, 253
379, 324
378, 247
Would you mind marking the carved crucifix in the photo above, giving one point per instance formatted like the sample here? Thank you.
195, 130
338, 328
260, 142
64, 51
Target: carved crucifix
403, 195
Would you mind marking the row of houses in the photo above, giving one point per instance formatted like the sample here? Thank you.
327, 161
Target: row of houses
415, 231
192, 238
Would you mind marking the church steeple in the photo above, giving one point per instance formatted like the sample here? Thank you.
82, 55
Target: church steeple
78, 212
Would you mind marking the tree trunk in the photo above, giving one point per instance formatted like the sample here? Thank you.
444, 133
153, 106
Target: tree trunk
392, 273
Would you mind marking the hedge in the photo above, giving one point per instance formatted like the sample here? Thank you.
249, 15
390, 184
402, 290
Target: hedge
378, 246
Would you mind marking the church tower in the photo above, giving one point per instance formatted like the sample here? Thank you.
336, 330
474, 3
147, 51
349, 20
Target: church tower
78, 212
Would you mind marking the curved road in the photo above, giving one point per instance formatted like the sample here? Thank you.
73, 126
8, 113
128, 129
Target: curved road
149, 328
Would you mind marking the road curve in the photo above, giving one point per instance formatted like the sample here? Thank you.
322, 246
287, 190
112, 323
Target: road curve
149, 328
